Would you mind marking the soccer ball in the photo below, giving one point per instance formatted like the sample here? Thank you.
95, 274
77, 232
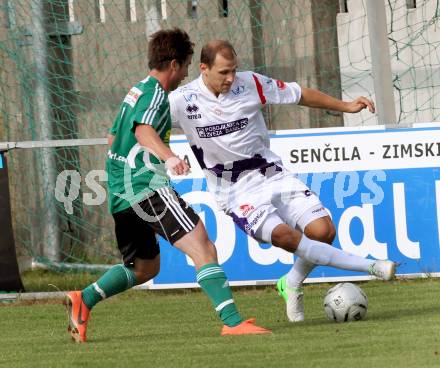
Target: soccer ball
345, 302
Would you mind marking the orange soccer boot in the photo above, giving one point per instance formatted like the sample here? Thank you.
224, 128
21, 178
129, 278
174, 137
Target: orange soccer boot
78, 315
247, 327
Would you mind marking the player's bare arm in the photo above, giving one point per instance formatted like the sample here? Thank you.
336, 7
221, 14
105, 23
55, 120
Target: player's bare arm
110, 139
148, 138
313, 98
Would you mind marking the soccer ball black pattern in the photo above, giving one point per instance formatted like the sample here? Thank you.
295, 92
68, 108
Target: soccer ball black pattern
345, 302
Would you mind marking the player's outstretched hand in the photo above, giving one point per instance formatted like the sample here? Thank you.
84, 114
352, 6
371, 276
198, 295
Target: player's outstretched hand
177, 166
359, 104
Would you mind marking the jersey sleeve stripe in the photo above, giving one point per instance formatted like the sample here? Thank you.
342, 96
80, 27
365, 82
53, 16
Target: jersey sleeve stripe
150, 117
155, 103
122, 112
164, 115
259, 89
154, 106
150, 106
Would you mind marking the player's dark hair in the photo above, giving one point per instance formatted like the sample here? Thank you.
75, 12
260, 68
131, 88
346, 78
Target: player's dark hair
166, 45
212, 48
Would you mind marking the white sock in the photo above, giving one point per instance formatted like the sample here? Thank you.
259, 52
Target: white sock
299, 272
324, 254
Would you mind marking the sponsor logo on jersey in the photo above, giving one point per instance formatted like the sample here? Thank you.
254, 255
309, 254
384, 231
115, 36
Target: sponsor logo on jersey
217, 130
166, 138
114, 156
248, 227
237, 90
281, 85
217, 111
320, 209
246, 208
132, 96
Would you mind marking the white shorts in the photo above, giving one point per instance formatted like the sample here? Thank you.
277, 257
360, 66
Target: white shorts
267, 202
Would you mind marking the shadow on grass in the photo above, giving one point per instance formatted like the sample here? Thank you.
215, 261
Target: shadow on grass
397, 314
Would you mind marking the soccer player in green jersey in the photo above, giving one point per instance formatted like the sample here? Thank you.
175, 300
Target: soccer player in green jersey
142, 201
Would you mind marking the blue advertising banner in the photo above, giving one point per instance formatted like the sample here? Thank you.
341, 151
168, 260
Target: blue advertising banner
381, 187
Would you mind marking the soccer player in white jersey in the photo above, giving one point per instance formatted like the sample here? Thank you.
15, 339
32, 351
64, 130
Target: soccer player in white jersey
220, 113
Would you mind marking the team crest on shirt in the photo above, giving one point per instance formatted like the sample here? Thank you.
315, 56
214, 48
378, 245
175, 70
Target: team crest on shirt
237, 90
190, 97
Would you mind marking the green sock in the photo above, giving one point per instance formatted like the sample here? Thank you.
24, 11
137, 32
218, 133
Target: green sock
116, 280
214, 283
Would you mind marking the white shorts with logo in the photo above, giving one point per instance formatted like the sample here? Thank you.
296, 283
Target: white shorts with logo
264, 203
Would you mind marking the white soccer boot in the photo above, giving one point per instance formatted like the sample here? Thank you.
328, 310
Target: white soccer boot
294, 298
384, 270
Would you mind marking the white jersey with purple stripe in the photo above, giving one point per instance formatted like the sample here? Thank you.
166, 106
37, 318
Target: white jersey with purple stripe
228, 134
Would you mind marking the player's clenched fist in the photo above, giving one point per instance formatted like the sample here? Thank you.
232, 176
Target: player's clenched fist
177, 166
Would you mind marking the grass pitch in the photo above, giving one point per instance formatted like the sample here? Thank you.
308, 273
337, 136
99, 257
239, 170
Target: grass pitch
179, 329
